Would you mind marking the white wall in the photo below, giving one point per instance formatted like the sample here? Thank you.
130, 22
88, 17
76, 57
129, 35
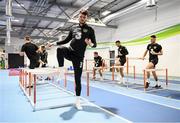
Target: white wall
104, 34
142, 22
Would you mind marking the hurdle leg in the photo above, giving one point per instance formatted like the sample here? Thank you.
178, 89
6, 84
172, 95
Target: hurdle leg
127, 66
23, 79
113, 73
87, 79
20, 77
34, 91
65, 80
166, 77
26, 80
30, 80
93, 73
134, 69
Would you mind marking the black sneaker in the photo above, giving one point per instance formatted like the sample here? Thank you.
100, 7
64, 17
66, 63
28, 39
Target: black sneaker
29, 86
157, 86
48, 78
147, 85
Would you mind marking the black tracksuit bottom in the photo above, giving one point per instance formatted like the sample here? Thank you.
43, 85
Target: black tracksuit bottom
77, 61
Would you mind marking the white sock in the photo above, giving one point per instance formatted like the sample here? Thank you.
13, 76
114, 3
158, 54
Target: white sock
61, 73
157, 82
123, 80
117, 76
78, 104
148, 80
101, 77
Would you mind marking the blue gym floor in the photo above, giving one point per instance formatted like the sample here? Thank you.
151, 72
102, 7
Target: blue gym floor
108, 103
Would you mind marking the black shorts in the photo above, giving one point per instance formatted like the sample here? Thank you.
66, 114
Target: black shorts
34, 64
97, 65
154, 61
122, 61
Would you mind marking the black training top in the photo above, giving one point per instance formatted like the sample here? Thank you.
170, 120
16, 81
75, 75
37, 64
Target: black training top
77, 36
122, 52
30, 50
98, 61
153, 47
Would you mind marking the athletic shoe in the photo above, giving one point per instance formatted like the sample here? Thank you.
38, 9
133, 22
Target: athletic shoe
48, 78
29, 86
157, 86
78, 106
101, 78
147, 85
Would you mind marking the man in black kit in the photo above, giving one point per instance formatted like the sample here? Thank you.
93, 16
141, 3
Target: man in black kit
122, 52
32, 52
43, 55
80, 36
154, 50
98, 63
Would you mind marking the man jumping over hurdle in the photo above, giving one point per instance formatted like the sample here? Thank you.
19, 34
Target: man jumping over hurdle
32, 52
98, 63
122, 52
154, 50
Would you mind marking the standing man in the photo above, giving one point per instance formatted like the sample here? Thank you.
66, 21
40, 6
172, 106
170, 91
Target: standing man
32, 52
98, 63
80, 36
154, 50
122, 52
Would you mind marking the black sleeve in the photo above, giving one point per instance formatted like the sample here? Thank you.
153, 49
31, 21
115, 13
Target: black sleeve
148, 47
68, 39
125, 51
93, 38
100, 58
36, 47
23, 48
160, 48
46, 55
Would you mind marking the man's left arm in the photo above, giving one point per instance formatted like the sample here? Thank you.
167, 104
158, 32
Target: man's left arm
93, 38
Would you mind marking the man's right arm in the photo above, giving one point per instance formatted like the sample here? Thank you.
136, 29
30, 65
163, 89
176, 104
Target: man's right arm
68, 38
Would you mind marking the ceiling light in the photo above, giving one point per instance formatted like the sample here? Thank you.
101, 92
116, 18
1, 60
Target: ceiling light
18, 5
106, 12
15, 20
151, 3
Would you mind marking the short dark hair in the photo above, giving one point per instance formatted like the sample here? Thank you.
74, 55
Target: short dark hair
27, 37
43, 47
118, 41
153, 36
96, 53
84, 12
